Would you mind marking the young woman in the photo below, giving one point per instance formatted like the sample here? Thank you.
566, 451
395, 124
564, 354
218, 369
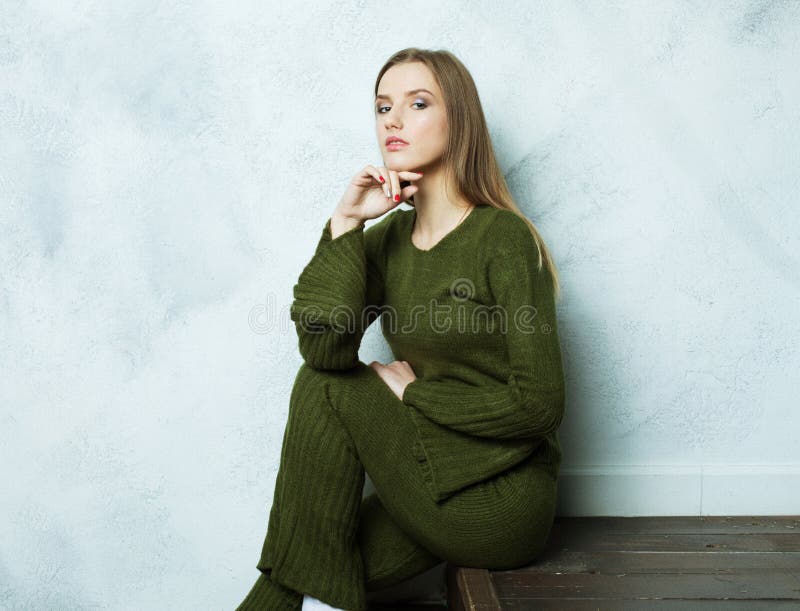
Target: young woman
459, 434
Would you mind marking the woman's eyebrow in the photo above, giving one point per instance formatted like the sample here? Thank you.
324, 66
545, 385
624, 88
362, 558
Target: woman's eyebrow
408, 93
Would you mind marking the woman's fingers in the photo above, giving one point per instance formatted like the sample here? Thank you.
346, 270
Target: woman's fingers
407, 192
406, 180
370, 171
395, 180
394, 189
386, 184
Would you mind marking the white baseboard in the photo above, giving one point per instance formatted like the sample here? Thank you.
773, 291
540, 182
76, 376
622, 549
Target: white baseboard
660, 490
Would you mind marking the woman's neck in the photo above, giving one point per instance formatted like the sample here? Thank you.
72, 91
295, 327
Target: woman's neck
436, 212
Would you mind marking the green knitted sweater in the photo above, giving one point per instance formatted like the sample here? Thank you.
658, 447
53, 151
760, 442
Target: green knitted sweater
473, 316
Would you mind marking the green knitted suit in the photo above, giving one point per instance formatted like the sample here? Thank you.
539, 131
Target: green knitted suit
465, 464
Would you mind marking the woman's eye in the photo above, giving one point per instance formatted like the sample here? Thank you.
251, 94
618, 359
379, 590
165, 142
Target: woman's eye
424, 105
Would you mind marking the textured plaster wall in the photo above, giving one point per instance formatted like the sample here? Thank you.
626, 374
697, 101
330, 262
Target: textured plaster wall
166, 169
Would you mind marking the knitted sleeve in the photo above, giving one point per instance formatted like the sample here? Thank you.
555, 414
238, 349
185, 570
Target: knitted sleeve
531, 402
338, 295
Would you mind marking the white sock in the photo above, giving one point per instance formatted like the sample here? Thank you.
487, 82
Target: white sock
312, 604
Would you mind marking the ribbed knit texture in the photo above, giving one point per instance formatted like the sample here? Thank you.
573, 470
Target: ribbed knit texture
311, 542
465, 465
475, 318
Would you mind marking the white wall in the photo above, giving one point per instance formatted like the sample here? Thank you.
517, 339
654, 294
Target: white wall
165, 172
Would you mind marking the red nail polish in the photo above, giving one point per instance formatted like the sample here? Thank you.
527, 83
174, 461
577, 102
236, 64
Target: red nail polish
382, 179
397, 198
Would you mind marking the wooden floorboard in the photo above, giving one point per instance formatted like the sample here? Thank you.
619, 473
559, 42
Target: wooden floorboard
669, 562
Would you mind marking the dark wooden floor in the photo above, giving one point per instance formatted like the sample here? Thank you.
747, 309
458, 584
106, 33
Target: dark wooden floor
620, 563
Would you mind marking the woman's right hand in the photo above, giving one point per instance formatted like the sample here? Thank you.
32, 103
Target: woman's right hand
366, 195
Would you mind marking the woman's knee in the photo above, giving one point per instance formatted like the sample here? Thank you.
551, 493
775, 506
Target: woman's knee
307, 373
329, 386
309, 376
354, 385
310, 389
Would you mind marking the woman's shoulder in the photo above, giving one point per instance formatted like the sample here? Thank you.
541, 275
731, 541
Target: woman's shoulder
508, 222
507, 232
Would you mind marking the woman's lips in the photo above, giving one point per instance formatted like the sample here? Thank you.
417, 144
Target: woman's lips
396, 146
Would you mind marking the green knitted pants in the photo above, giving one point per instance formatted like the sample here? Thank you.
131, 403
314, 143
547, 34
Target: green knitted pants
325, 540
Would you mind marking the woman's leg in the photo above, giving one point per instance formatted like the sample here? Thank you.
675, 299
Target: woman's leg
499, 523
322, 538
390, 555
324, 541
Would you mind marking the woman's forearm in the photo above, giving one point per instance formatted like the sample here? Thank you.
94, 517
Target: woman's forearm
342, 224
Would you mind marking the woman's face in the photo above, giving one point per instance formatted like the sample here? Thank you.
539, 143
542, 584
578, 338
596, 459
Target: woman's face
417, 117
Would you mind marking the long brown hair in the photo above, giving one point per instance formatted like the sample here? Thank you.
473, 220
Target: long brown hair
469, 158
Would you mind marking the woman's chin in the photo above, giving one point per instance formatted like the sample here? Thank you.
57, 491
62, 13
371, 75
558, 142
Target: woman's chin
404, 165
